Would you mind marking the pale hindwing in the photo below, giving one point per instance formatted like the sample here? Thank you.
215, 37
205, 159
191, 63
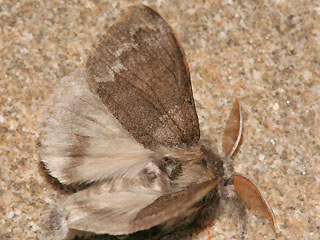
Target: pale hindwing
82, 141
99, 210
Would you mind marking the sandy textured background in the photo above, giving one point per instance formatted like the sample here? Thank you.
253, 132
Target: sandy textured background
264, 52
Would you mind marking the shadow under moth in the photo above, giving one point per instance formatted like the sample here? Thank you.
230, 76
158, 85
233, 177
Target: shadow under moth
125, 126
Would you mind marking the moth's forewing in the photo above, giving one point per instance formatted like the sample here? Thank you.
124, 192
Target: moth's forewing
139, 71
173, 205
250, 194
233, 131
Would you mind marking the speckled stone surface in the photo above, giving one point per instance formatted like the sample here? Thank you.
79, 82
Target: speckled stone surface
264, 52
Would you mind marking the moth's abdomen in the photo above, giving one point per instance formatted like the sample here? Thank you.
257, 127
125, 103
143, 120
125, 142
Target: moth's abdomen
55, 222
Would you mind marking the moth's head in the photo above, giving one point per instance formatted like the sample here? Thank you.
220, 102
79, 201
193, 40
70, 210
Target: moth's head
188, 166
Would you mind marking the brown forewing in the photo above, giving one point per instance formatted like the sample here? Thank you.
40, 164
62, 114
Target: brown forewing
140, 73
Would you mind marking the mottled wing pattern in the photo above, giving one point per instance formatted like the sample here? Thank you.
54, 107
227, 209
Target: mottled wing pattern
140, 73
82, 141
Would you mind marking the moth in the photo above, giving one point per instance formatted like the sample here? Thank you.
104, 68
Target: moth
125, 126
